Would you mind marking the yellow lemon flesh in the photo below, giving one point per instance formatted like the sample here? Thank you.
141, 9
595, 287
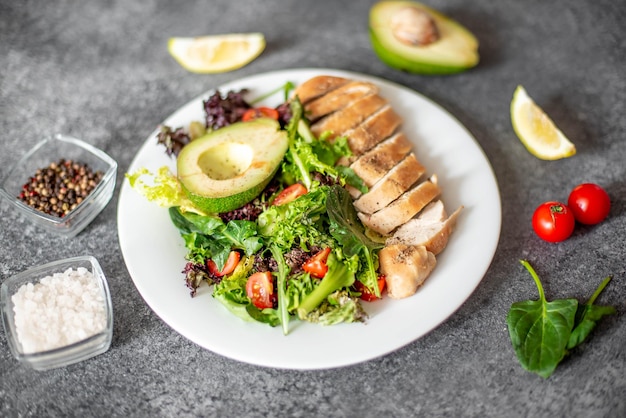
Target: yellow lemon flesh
536, 130
216, 53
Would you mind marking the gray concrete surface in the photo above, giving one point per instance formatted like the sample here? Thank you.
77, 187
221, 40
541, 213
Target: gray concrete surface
100, 70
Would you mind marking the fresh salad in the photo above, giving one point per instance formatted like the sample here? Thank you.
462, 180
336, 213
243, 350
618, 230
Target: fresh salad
296, 250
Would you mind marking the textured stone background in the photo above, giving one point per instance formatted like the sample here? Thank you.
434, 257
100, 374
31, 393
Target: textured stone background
100, 70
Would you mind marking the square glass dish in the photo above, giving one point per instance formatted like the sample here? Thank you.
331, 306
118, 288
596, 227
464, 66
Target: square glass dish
51, 150
57, 314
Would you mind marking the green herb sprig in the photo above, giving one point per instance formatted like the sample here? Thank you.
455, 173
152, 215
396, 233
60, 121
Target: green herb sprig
543, 332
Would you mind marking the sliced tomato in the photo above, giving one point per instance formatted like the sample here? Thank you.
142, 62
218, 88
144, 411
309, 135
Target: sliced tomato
316, 266
259, 112
366, 293
229, 266
289, 194
259, 288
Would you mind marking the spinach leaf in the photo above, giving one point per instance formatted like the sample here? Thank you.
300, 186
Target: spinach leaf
346, 228
209, 237
540, 330
588, 316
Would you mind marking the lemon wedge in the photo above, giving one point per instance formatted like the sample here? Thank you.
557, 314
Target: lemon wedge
536, 130
216, 53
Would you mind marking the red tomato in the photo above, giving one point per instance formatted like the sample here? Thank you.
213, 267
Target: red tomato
229, 266
316, 265
259, 112
366, 294
260, 288
289, 194
553, 221
589, 203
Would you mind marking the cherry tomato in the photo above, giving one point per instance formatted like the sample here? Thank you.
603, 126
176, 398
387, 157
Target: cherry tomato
260, 288
289, 194
259, 112
316, 266
229, 266
553, 221
589, 203
366, 293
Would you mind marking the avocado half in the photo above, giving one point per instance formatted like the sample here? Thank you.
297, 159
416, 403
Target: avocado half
415, 38
227, 168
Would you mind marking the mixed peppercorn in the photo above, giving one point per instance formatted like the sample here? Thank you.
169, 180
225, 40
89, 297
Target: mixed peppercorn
57, 189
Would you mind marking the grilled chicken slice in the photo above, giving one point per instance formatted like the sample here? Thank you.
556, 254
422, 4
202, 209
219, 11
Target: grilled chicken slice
395, 182
338, 99
374, 164
351, 116
318, 86
373, 130
431, 228
402, 209
405, 268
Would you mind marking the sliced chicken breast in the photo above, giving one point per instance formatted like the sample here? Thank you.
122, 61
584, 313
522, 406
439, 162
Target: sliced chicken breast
373, 130
338, 123
318, 86
402, 209
374, 164
338, 98
395, 182
405, 268
431, 228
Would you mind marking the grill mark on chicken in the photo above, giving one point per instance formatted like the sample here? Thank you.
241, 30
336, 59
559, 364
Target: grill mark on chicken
338, 99
395, 182
402, 209
341, 121
373, 130
318, 86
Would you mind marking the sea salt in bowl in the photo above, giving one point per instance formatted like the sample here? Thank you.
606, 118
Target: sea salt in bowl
51, 150
58, 313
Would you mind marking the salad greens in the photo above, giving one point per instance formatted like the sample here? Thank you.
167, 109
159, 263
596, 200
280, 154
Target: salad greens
281, 238
542, 332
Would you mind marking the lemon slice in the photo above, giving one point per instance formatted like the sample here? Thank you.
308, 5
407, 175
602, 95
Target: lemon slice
536, 130
216, 53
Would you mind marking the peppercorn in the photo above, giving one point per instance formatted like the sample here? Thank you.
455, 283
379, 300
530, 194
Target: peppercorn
59, 188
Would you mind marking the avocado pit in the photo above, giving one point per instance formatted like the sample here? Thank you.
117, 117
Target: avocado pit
414, 27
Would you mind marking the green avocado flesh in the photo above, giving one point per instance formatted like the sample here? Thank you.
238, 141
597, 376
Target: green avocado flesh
455, 50
227, 168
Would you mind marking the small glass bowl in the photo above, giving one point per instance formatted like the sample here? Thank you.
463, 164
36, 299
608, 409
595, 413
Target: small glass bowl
69, 354
40, 156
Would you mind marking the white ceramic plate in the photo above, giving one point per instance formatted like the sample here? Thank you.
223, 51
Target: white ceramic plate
154, 252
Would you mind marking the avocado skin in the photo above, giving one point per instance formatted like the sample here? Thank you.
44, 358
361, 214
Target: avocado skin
228, 203
398, 62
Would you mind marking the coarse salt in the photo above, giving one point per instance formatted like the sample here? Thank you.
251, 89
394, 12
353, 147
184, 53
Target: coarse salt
59, 310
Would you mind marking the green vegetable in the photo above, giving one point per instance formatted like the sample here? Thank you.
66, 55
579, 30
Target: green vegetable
337, 277
301, 222
541, 331
209, 237
281, 283
587, 317
338, 307
350, 234
165, 190
307, 154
